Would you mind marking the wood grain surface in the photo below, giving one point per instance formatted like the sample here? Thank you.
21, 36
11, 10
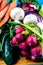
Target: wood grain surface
21, 61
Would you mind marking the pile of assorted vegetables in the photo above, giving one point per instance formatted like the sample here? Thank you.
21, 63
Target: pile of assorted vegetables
21, 30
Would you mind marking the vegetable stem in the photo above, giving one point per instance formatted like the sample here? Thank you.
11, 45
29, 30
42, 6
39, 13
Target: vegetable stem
26, 26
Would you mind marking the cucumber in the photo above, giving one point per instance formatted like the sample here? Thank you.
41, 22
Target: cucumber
7, 51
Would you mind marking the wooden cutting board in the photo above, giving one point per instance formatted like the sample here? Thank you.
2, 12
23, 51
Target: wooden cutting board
21, 61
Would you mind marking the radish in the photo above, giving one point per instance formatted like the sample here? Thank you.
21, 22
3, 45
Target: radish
34, 58
19, 37
31, 40
13, 41
24, 53
16, 27
19, 30
36, 51
22, 46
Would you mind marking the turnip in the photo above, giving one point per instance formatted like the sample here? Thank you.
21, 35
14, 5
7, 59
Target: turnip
22, 46
24, 53
19, 37
30, 18
17, 14
40, 25
31, 40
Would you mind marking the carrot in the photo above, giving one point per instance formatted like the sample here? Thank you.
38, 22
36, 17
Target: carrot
3, 12
0, 1
3, 4
12, 5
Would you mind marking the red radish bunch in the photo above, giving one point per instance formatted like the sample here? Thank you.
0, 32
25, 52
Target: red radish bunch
34, 58
31, 40
13, 41
23, 46
27, 45
19, 29
35, 52
24, 53
19, 37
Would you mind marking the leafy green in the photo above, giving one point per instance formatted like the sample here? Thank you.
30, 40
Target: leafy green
11, 32
28, 27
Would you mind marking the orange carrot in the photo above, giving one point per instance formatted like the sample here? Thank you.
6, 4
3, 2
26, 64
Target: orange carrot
3, 4
0, 1
3, 12
12, 5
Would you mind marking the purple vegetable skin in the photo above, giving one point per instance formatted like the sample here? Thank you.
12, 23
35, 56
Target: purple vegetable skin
39, 18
